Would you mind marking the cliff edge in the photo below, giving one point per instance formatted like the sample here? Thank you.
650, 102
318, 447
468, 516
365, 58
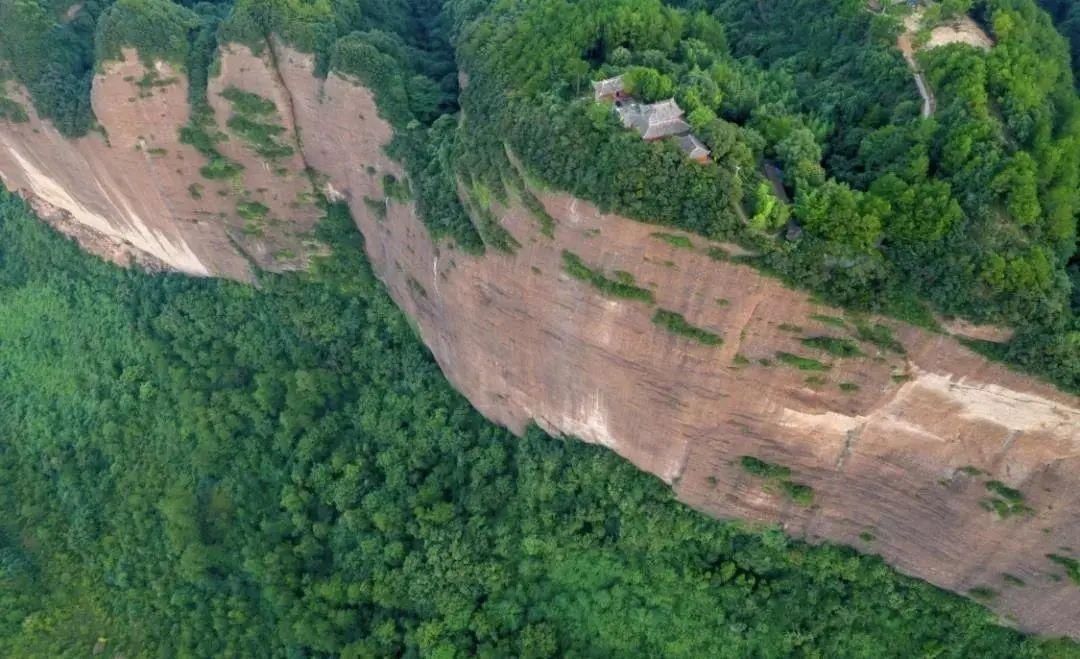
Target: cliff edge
903, 447
751, 400
133, 190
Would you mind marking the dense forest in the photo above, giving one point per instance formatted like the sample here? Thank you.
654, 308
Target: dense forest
971, 211
1067, 16
203, 468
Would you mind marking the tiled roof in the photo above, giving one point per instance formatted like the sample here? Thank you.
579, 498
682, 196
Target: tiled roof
608, 87
656, 130
654, 121
692, 146
664, 111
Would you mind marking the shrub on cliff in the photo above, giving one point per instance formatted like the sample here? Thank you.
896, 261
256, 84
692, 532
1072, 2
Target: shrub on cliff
158, 29
310, 26
355, 56
54, 59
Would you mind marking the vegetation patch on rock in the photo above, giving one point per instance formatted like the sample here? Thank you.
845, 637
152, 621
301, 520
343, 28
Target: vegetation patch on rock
676, 324
576, 268
778, 476
802, 363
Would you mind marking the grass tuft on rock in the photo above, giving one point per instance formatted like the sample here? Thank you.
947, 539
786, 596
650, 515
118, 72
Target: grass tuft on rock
676, 324
802, 363
576, 268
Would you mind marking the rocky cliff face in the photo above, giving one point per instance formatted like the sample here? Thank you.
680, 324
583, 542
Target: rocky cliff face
954, 469
132, 191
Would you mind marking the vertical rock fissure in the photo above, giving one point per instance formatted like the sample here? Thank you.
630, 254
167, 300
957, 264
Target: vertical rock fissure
850, 438
290, 103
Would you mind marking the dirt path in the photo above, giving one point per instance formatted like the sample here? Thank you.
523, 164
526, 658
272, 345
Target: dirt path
959, 30
906, 44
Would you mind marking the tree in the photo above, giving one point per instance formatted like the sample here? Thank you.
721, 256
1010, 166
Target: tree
1017, 184
801, 157
769, 212
917, 213
648, 84
837, 213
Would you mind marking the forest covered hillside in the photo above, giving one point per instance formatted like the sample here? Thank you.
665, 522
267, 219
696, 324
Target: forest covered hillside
203, 467
971, 211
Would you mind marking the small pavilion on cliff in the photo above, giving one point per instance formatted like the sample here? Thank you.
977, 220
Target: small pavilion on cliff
693, 148
653, 121
610, 89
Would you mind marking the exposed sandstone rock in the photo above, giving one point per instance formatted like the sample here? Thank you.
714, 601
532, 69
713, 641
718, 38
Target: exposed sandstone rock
113, 188
134, 187
968, 330
112, 249
902, 453
340, 129
893, 459
283, 240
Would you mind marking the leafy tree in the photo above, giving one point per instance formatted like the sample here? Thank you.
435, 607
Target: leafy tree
649, 84
840, 214
1017, 183
769, 212
917, 213
157, 29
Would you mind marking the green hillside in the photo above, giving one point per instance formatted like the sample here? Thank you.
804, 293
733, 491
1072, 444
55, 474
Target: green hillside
204, 468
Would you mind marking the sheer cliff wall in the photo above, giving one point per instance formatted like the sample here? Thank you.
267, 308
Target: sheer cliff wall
903, 448
131, 191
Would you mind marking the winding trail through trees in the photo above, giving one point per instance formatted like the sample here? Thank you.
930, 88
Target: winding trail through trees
906, 44
960, 29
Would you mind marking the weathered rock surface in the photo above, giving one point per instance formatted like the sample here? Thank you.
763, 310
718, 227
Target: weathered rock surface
524, 341
133, 192
898, 458
282, 240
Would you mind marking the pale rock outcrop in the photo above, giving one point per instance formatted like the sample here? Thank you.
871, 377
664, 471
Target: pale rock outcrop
132, 192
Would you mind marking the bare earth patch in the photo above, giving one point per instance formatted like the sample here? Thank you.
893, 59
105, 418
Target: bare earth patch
72, 12
969, 330
962, 30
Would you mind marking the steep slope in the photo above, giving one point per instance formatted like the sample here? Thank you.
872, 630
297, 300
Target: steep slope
896, 448
133, 190
902, 448
114, 187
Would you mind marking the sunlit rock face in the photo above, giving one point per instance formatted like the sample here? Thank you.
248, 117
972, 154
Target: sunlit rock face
953, 468
132, 192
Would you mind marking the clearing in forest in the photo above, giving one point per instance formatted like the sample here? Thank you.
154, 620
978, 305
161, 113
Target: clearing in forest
959, 30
